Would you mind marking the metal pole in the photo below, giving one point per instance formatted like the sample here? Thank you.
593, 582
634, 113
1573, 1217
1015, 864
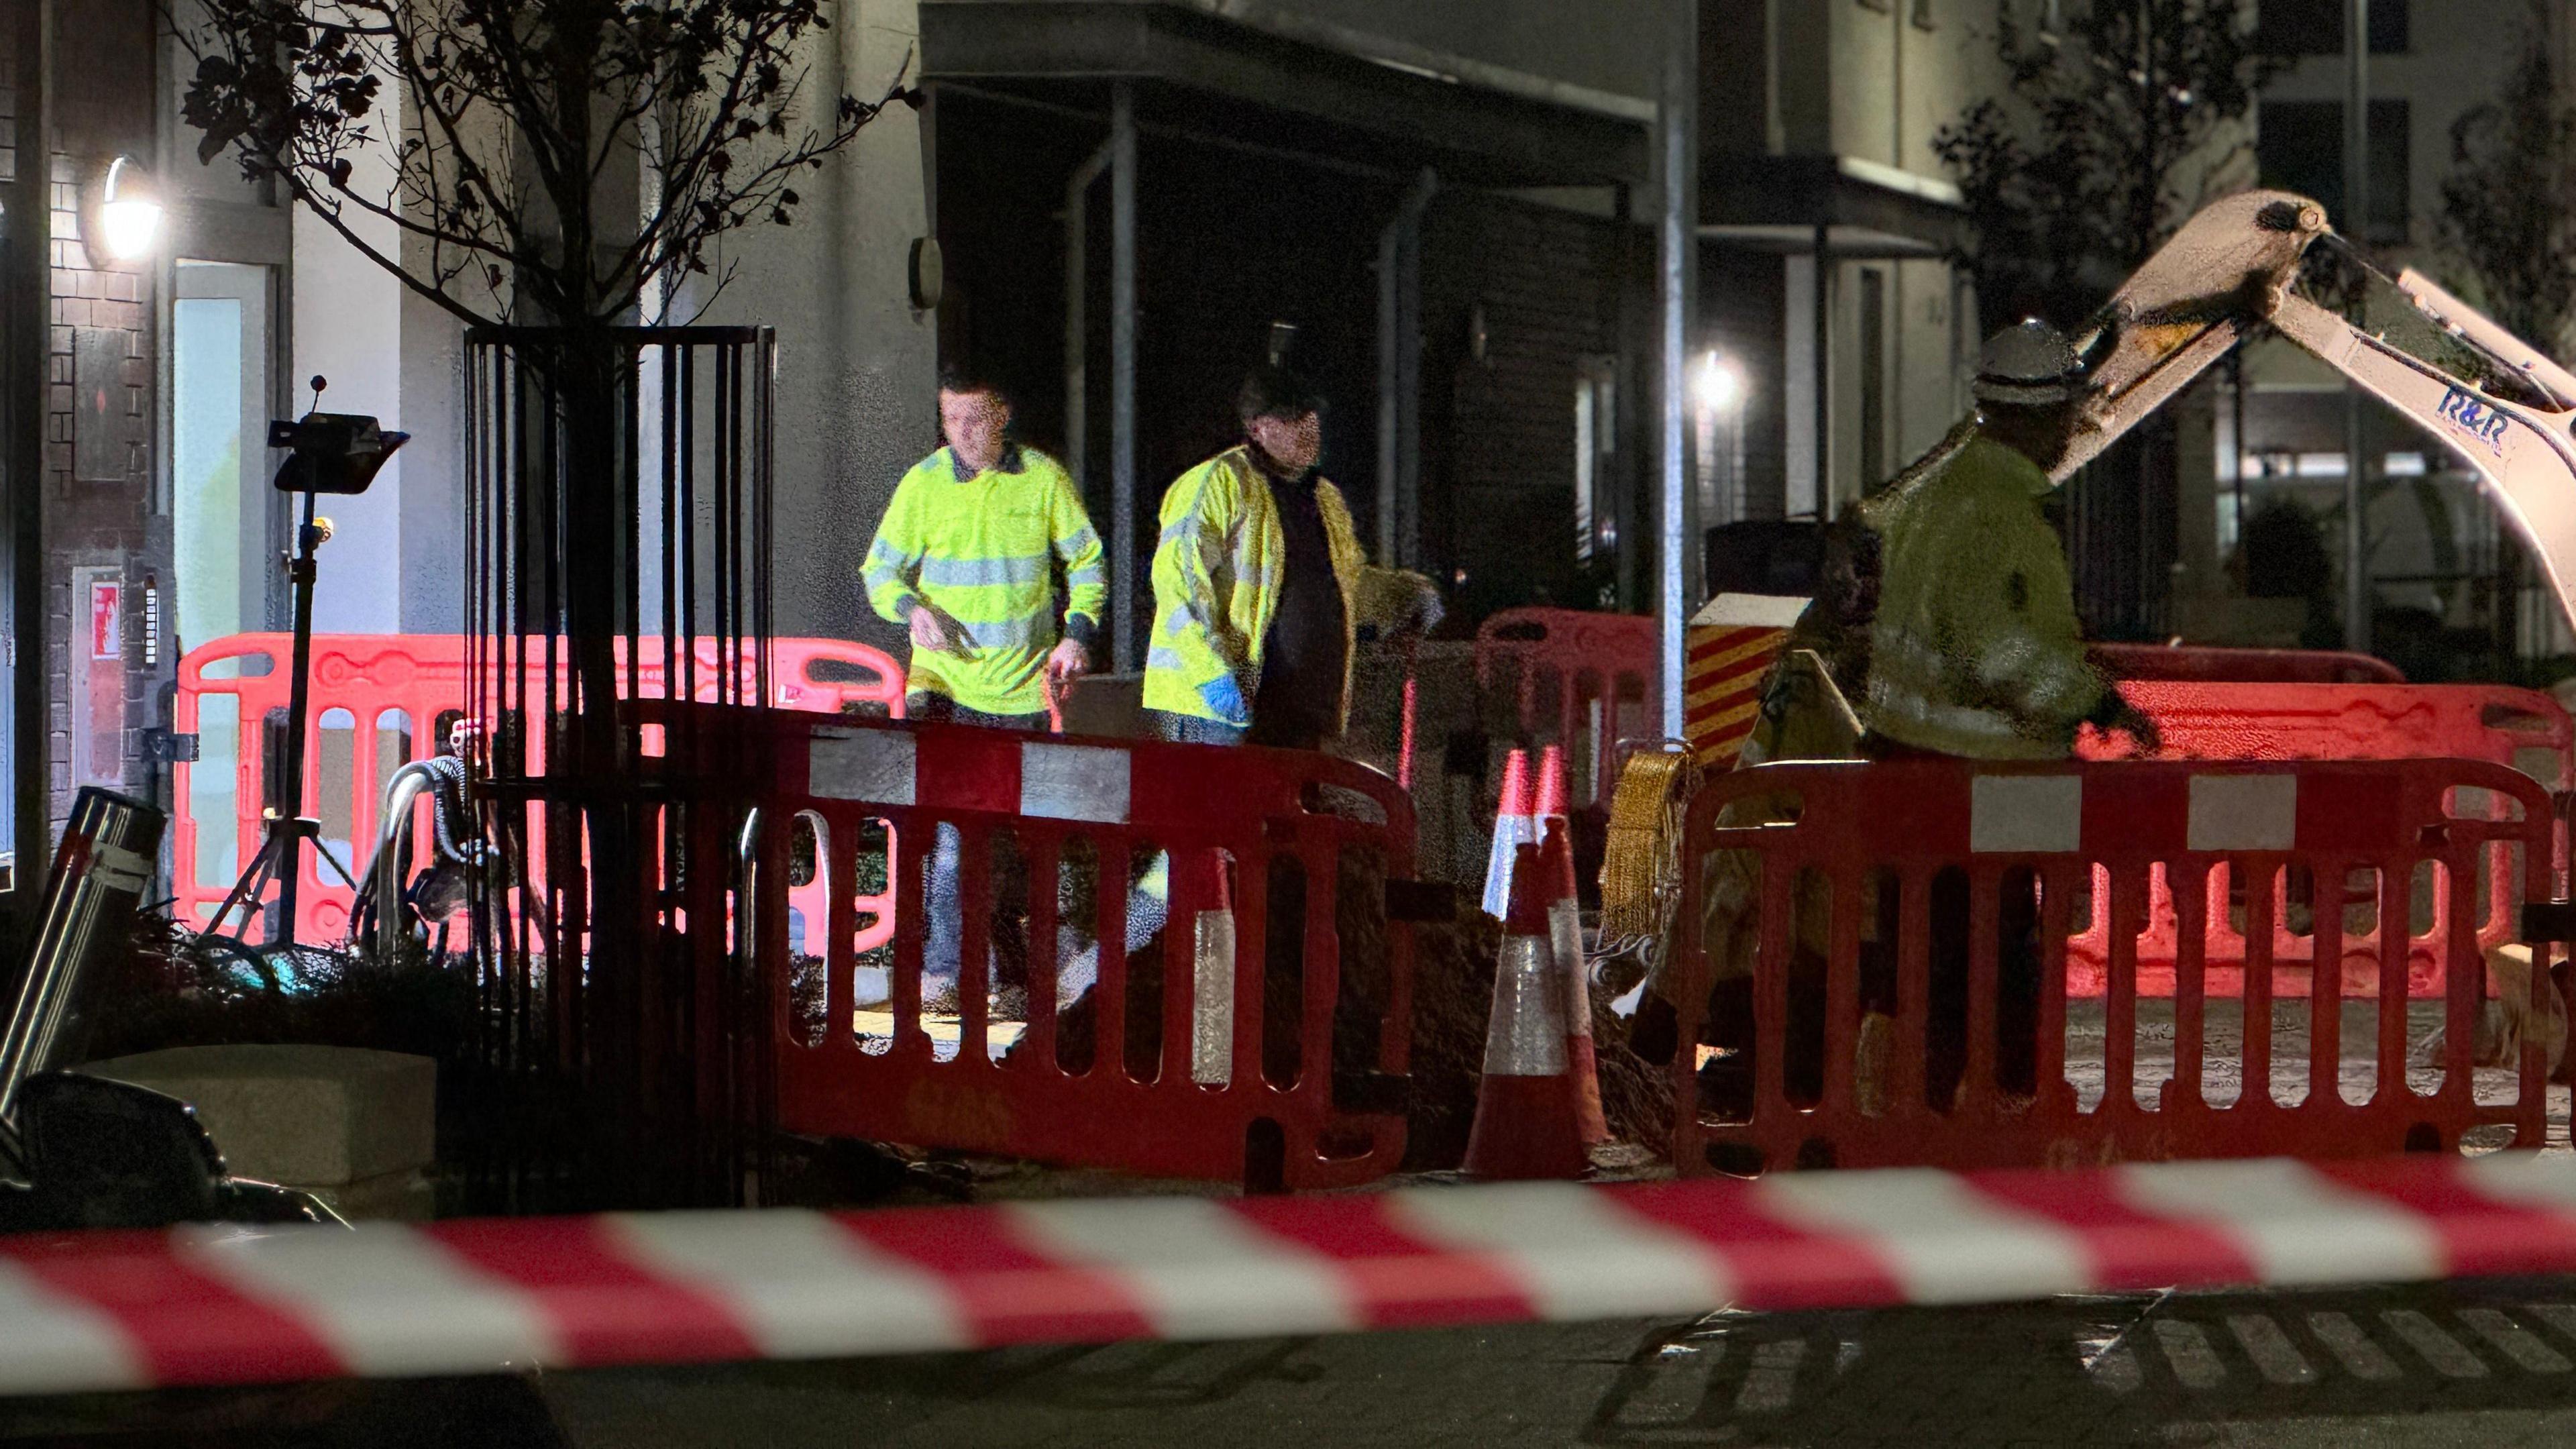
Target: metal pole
1408, 381
1129, 635
1821, 300
1398, 344
1077, 322
1678, 119
2356, 205
28, 290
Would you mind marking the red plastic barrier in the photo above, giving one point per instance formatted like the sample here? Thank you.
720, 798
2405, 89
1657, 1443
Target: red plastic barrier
1583, 680
2210, 664
2518, 728
380, 701
1922, 863
1211, 1057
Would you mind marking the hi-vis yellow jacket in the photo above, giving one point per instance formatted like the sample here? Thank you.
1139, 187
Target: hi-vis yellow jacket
1218, 570
982, 551
1975, 650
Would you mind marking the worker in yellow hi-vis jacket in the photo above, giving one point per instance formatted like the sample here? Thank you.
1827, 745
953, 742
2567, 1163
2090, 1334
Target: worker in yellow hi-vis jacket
1261, 594
966, 559
1946, 627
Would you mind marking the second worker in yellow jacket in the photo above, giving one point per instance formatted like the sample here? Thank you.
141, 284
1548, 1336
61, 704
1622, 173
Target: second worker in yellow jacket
1260, 590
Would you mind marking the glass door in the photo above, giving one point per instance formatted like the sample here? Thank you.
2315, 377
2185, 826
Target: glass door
228, 525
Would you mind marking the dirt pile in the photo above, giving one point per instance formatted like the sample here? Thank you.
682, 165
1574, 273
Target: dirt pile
1453, 991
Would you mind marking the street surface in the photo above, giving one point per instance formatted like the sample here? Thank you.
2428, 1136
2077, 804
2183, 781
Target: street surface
2485, 1365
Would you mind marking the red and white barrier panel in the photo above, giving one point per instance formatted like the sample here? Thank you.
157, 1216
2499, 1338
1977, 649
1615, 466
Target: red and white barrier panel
232, 1306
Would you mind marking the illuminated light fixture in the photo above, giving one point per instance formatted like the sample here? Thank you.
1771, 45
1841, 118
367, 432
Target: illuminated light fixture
1717, 383
129, 211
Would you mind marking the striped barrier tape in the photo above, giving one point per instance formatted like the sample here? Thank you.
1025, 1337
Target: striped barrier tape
224, 1305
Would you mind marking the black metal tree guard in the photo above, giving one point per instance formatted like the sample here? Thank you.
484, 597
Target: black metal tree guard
627, 1058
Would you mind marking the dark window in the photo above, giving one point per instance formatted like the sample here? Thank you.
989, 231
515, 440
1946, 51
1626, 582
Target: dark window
2315, 27
2299, 146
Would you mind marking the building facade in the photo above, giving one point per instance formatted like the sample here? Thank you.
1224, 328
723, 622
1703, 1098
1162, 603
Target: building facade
1443, 209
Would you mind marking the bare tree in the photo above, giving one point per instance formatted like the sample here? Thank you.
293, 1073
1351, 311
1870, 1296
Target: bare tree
2114, 126
554, 162
564, 167
2509, 204
527, 129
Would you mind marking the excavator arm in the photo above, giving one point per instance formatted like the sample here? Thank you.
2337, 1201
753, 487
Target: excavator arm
2230, 271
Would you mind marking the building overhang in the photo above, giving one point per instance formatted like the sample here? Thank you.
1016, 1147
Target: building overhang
1197, 73
1865, 209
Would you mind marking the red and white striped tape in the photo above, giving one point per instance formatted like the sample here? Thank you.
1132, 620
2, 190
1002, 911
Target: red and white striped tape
232, 1305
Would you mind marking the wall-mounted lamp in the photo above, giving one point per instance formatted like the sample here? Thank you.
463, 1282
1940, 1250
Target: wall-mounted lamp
1718, 383
129, 211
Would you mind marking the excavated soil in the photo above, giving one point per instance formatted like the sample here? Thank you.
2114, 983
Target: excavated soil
1453, 989
1453, 986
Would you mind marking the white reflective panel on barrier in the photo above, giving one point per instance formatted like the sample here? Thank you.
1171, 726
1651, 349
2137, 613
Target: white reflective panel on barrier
870, 765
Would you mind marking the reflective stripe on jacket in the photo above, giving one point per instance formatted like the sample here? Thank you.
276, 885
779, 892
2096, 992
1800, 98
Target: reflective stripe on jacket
1217, 573
1975, 650
982, 551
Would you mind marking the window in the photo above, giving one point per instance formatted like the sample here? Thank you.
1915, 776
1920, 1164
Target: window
2315, 27
2299, 147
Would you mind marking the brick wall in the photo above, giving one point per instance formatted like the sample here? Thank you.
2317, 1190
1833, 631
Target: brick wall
1498, 432
95, 521
103, 105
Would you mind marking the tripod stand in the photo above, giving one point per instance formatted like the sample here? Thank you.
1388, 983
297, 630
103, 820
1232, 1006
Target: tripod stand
281, 848
333, 453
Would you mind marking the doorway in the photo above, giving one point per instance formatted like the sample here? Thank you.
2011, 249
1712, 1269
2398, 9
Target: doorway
228, 525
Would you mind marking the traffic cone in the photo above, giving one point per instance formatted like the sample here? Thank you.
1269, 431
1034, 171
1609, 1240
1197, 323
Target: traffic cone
1511, 831
1550, 804
1526, 1124
1565, 938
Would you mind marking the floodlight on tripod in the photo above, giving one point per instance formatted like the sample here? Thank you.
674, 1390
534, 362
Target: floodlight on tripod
337, 453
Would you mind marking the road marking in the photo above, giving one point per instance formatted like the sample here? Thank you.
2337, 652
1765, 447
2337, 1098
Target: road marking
1676, 1378
2108, 1361
2352, 1347
2448, 1356
2187, 1349
1772, 1382
2515, 1341
2560, 1316
2271, 1349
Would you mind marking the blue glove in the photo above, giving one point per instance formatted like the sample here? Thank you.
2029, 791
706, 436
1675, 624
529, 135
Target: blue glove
1225, 698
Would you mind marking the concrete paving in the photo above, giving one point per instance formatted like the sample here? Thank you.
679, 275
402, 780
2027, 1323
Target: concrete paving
2490, 1365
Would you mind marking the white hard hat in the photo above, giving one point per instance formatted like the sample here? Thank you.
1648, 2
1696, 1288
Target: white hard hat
2030, 363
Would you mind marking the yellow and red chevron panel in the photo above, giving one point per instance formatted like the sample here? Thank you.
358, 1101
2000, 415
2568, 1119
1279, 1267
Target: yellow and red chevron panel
1726, 651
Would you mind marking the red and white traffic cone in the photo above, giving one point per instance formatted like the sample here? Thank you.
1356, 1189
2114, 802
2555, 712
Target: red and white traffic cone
1550, 802
1565, 938
1526, 1125
1511, 832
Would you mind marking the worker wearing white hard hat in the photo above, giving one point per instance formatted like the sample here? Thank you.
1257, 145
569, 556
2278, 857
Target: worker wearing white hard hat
1949, 631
